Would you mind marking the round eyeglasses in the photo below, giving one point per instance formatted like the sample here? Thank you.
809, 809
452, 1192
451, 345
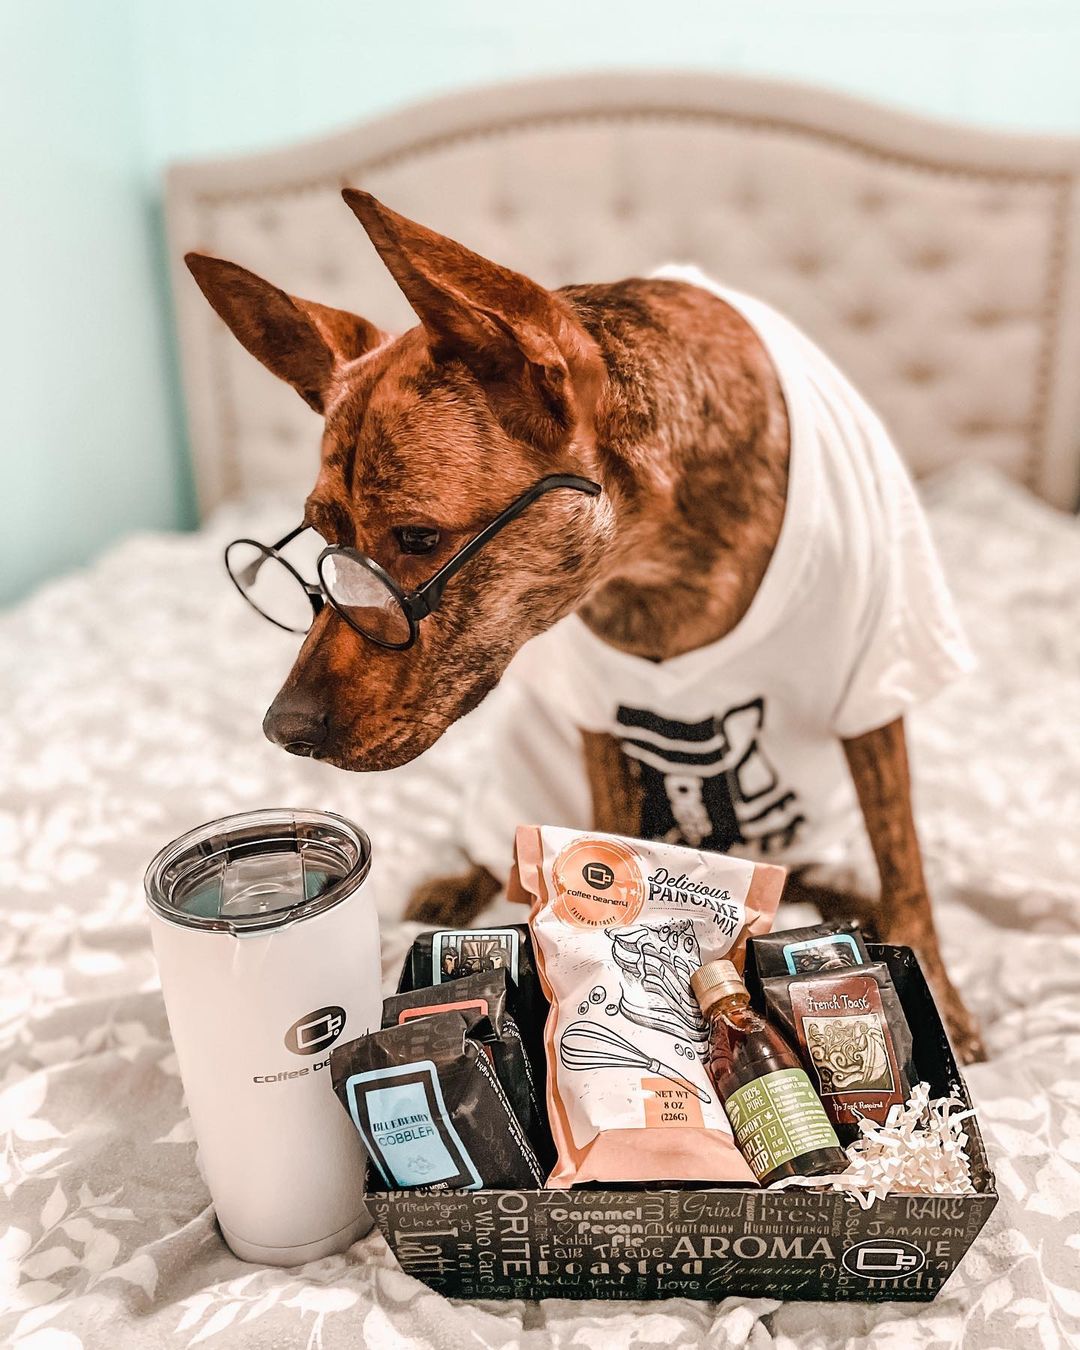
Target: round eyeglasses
365, 595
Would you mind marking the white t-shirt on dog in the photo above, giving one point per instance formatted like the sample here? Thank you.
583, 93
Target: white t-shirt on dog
739, 741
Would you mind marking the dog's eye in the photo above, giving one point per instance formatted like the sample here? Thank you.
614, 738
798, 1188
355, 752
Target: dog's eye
416, 538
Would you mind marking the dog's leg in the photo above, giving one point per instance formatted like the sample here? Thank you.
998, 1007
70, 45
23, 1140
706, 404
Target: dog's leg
615, 783
453, 902
879, 767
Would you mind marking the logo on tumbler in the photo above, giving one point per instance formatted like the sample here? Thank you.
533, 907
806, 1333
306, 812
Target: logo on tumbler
883, 1259
315, 1031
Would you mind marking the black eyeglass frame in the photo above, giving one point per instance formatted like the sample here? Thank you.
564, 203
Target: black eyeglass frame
415, 605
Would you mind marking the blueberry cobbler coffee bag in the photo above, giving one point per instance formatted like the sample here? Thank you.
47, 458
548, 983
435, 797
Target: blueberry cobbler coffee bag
430, 1109
489, 1004
620, 925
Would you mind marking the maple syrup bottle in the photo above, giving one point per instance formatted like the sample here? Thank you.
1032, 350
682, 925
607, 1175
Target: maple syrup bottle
776, 1116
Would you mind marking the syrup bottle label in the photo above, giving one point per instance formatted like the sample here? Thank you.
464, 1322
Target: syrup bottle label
776, 1118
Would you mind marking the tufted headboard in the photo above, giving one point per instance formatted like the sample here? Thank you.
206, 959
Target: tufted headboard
940, 266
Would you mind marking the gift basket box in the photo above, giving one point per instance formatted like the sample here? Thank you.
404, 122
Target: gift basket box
704, 1242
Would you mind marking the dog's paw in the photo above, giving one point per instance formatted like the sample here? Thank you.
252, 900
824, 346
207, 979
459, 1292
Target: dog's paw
964, 1033
834, 906
452, 902
963, 1029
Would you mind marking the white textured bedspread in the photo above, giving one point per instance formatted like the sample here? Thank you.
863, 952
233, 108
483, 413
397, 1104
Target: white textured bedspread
131, 699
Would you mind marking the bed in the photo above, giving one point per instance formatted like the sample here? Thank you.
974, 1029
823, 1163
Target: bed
940, 266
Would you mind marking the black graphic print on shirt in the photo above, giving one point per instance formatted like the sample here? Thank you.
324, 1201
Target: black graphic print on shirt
710, 784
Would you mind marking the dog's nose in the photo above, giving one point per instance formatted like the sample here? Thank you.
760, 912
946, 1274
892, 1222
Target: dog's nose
300, 728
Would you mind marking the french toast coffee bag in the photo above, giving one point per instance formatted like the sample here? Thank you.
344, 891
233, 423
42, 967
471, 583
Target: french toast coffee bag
853, 1037
619, 926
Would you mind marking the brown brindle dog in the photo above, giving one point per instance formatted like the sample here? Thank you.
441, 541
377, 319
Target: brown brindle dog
657, 390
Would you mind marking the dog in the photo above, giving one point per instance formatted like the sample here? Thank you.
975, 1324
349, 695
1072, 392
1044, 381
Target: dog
659, 391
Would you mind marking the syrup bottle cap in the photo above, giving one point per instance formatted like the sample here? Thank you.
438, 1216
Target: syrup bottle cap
714, 981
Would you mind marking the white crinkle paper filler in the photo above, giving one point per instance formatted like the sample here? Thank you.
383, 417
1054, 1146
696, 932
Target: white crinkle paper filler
921, 1149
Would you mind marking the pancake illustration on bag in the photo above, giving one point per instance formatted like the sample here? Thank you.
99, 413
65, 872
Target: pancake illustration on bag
655, 963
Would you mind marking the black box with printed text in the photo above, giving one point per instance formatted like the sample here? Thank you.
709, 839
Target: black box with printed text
698, 1242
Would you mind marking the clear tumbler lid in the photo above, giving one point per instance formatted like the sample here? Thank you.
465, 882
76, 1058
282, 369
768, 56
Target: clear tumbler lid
258, 871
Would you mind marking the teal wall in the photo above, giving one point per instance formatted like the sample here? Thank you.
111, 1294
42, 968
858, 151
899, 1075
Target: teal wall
224, 74
87, 446
97, 96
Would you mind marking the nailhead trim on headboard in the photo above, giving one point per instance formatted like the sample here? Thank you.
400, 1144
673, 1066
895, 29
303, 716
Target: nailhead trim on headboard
513, 125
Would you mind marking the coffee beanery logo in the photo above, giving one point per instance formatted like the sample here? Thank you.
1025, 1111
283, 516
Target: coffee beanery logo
316, 1030
883, 1259
599, 883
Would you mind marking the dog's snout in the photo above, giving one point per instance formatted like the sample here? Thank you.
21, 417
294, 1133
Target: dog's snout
300, 728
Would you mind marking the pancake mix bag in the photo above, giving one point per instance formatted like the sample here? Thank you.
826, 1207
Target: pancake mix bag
620, 925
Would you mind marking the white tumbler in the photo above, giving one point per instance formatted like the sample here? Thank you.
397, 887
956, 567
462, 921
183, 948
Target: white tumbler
267, 940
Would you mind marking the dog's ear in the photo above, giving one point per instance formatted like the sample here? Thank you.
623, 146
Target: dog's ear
491, 317
300, 341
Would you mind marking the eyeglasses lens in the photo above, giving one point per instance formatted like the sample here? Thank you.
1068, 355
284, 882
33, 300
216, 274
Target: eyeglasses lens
269, 586
365, 599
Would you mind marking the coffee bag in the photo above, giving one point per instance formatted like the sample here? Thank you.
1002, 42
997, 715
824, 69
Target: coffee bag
487, 1000
853, 1038
821, 946
430, 1109
450, 953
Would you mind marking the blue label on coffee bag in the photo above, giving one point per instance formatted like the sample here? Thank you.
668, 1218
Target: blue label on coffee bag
407, 1129
468, 951
846, 952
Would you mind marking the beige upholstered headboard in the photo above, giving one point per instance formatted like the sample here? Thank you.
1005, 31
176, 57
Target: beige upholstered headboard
940, 266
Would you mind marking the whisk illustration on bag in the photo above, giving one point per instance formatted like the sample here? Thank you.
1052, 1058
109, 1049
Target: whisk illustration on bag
587, 1045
